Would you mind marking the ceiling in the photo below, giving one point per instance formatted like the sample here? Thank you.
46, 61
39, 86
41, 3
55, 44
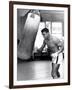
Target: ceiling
46, 15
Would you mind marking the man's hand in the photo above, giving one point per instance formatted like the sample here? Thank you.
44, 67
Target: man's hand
39, 51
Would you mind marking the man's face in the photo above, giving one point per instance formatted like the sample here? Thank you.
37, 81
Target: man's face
45, 34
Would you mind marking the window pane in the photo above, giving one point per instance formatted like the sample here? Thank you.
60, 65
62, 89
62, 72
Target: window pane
57, 27
48, 25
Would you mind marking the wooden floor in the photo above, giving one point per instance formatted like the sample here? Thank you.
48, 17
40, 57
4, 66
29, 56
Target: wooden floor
34, 70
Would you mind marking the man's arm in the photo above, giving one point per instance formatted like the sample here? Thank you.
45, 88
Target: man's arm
61, 46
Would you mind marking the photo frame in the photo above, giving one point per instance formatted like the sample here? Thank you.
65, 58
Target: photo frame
47, 15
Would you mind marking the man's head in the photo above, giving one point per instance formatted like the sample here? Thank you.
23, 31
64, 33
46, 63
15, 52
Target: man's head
45, 32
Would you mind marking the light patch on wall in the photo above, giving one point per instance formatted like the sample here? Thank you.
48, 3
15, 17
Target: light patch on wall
39, 37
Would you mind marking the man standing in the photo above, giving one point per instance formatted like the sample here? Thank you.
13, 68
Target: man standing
56, 47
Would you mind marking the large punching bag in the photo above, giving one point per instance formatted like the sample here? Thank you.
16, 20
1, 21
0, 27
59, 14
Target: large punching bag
25, 47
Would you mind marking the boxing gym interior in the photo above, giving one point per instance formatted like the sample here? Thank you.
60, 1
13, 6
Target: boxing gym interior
32, 65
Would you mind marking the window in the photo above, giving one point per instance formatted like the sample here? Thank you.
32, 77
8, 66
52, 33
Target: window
57, 29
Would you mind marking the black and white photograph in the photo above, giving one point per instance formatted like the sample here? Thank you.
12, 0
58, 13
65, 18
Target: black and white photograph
40, 44
40, 47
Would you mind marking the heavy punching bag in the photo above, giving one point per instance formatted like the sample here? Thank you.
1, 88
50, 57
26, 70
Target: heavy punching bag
25, 47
